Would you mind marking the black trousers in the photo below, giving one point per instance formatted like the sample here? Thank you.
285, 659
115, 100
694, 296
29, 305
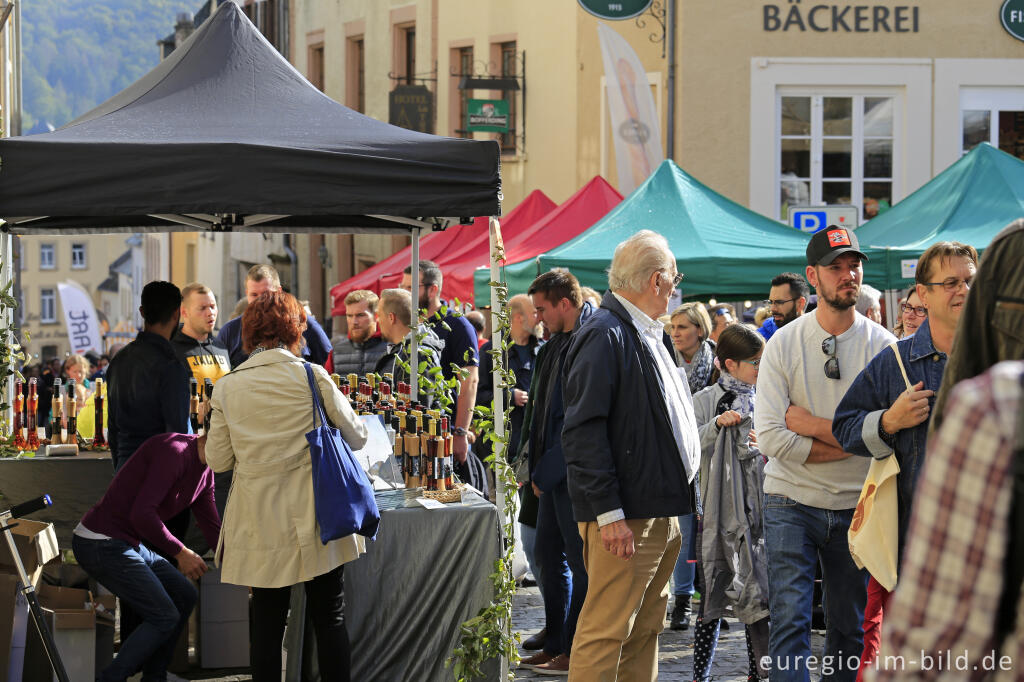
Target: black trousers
325, 604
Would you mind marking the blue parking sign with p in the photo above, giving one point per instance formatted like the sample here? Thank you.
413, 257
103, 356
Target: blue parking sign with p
810, 221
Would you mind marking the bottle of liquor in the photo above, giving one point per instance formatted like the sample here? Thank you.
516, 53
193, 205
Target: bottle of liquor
100, 439
437, 438
353, 383
449, 441
431, 451
57, 413
193, 404
401, 456
70, 433
336, 378
20, 441
412, 449
32, 409
207, 396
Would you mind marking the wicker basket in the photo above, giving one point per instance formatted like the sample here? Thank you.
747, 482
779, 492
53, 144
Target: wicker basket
446, 496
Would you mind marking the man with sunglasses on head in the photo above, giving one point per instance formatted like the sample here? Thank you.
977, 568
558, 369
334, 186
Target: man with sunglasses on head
880, 416
811, 484
787, 300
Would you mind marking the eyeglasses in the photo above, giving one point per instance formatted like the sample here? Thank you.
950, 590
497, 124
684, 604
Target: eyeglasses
780, 302
915, 310
951, 284
753, 363
828, 347
676, 279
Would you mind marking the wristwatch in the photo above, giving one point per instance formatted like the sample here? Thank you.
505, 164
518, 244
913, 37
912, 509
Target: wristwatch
459, 431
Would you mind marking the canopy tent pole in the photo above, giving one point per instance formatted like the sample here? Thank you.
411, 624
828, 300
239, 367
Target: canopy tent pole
497, 343
497, 255
414, 348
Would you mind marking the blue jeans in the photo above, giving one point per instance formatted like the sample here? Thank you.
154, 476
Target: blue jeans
559, 552
162, 597
682, 576
797, 537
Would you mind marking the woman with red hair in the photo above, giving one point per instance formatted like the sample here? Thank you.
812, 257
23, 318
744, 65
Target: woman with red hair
269, 540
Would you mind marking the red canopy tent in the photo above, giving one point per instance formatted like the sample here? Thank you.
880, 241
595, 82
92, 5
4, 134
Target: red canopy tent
591, 203
444, 247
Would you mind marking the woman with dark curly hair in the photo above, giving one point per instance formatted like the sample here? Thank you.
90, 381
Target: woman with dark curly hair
269, 541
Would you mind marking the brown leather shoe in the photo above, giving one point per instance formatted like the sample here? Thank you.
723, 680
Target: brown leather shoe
559, 665
537, 641
538, 659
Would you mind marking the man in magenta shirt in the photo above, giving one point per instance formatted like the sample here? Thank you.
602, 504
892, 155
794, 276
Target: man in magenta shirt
165, 476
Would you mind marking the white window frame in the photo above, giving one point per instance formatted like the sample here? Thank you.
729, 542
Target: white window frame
44, 294
909, 79
52, 265
955, 76
992, 100
82, 247
817, 96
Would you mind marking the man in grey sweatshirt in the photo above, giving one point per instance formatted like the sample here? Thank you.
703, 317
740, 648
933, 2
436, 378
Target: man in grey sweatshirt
811, 486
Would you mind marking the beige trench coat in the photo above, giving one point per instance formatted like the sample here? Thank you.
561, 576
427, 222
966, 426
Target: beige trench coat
261, 412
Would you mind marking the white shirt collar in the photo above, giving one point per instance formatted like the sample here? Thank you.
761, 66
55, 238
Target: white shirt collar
641, 319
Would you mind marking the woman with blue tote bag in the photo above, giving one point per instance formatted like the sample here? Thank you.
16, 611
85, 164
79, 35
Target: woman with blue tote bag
270, 538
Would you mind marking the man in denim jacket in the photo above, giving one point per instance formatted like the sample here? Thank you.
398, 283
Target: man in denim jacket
880, 416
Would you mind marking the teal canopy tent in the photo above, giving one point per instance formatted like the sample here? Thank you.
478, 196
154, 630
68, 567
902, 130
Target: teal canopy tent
722, 248
970, 202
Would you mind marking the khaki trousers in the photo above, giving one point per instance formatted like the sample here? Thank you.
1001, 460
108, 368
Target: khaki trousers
617, 634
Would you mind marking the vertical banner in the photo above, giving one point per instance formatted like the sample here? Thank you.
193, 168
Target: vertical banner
634, 117
80, 318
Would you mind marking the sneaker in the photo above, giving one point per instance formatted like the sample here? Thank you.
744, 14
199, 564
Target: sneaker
559, 665
681, 613
535, 642
538, 659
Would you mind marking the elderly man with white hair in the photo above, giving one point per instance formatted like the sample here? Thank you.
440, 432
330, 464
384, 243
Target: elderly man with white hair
631, 446
869, 303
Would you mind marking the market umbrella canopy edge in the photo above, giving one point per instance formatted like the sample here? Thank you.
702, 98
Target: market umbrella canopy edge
227, 127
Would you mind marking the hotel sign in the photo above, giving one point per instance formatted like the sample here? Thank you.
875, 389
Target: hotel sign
615, 9
823, 18
1012, 16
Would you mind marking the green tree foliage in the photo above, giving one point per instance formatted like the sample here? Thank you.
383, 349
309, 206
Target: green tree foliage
79, 53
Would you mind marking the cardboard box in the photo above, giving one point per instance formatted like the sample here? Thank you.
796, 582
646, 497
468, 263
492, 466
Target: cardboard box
223, 623
12, 628
69, 615
36, 542
106, 607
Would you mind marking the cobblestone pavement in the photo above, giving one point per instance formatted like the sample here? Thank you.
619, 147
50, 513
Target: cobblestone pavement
675, 650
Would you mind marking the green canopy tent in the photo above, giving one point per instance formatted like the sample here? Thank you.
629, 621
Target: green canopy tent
970, 202
724, 249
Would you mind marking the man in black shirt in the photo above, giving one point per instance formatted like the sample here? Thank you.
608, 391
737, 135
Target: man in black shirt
146, 383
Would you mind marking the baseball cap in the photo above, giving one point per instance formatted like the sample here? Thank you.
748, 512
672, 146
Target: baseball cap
831, 242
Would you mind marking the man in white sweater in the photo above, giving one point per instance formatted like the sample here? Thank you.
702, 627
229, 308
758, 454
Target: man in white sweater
811, 486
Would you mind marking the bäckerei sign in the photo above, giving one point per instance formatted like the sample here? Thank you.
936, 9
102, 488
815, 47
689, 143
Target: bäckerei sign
822, 18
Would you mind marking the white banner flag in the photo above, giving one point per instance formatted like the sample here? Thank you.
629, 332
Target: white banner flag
80, 318
634, 117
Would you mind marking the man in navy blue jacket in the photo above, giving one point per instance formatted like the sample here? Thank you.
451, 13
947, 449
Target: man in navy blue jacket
631, 447
260, 279
558, 548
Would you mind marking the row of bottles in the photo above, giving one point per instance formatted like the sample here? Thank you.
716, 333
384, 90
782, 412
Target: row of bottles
422, 438
195, 397
63, 426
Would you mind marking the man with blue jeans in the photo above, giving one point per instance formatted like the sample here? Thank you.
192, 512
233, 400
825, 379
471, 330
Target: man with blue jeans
811, 485
558, 547
165, 476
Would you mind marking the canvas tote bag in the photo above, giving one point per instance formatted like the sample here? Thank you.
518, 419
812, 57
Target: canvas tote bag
874, 531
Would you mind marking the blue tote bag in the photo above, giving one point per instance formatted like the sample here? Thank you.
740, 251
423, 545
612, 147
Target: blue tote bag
342, 493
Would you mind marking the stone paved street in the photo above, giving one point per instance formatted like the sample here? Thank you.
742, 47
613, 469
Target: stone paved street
675, 648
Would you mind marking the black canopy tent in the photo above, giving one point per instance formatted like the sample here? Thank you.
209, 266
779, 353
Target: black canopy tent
227, 135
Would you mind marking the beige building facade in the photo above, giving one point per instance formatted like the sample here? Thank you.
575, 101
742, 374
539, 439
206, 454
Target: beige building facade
791, 102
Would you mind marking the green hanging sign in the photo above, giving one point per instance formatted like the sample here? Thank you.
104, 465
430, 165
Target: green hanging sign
615, 10
487, 115
1012, 16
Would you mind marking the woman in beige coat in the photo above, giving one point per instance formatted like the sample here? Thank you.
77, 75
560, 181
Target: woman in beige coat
269, 540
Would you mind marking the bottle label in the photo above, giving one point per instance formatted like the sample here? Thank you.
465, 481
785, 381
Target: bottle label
414, 466
447, 467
